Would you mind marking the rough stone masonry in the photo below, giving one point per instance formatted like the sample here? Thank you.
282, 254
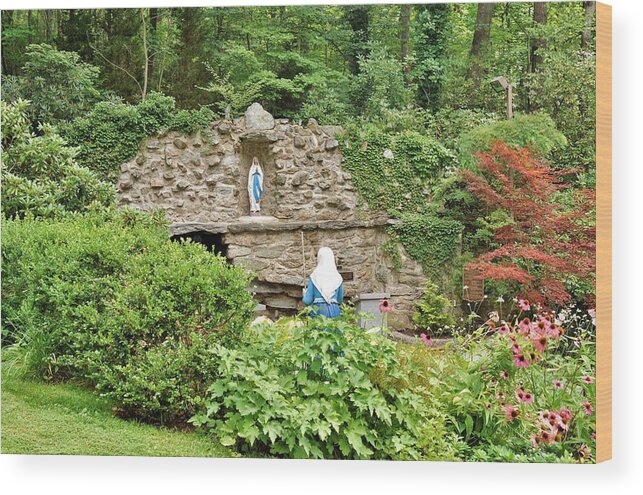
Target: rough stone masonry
309, 201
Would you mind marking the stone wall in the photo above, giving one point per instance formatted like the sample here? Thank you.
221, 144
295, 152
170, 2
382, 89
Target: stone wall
277, 257
203, 178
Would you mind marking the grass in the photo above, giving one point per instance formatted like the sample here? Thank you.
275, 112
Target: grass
43, 418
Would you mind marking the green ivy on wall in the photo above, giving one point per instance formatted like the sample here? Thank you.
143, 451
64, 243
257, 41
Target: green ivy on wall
112, 132
396, 172
432, 241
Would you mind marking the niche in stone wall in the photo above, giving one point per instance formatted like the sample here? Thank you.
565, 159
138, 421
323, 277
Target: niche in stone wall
260, 148
213, 242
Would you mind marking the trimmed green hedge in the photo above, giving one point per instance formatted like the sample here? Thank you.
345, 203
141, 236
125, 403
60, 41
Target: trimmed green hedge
109, 299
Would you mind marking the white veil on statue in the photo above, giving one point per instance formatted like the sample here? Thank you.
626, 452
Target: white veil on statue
325, 276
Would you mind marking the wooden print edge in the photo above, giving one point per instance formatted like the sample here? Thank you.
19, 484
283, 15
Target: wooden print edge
603, 232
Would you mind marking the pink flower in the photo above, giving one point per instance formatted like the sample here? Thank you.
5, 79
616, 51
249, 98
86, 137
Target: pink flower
540, 343
592, 435
504, 329
557, 383
523, 304
534, 440
504, 375
428, 341
524, 326
524, 396
385, 306
587, 379
587, 407
511, 413
566, 414
521, 361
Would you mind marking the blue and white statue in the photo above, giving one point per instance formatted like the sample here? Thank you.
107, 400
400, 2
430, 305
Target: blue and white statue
255, 186
325, 289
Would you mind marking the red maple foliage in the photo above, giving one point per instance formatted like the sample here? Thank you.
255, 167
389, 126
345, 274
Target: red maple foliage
546, 241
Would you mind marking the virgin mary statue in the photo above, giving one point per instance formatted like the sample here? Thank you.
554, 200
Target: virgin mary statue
255, 185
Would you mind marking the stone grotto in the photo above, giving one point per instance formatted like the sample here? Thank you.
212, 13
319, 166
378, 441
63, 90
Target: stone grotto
308, 201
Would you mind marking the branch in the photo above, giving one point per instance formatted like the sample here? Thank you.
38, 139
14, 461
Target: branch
116, 66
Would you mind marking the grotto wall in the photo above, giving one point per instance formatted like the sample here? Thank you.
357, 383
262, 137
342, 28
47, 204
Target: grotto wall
309, 201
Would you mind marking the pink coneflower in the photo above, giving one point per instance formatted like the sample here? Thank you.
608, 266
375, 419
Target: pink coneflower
592, 435
587, 408
523, 304
557, 383
515, 348
527, 398
546, 437
521, 361
587, 379
566, 414
534, 440
524, 326
504, 329
428, 341
540, 343
385, 306
511, 413
500, 395
504, 375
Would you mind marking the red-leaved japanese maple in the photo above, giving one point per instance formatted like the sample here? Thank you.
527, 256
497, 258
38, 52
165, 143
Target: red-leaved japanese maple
546, 241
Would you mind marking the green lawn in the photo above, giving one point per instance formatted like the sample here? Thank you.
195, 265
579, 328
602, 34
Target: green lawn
41, 418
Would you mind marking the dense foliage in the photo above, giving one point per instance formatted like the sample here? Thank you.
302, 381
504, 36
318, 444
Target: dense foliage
58, 84
40, 174
111, 133
107, 298
545, 238
322, 388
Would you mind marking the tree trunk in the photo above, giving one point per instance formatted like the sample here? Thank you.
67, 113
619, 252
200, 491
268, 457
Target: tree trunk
154, 19
405, 22
480, 41
588, 28
538, 43
358, 17
146, 55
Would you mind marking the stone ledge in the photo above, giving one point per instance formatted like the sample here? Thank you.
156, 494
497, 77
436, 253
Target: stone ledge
275, 226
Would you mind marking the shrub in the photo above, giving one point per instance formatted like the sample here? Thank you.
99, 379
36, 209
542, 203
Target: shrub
112, 132
40, 174
58, 84
535, 131
433, 311
324, 389
108, 298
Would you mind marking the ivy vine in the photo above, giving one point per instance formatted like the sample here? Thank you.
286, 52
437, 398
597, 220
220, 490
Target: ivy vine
112, 132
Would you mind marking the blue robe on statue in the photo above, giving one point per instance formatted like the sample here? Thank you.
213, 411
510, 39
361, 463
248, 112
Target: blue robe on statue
257, 190
314, 296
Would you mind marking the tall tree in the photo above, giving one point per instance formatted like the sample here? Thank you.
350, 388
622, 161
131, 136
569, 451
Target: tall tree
405, 23
358, 17
538, 42
588, 26
430, 32
481, 36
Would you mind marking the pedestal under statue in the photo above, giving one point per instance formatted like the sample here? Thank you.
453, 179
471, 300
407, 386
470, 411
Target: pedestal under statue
255, 186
